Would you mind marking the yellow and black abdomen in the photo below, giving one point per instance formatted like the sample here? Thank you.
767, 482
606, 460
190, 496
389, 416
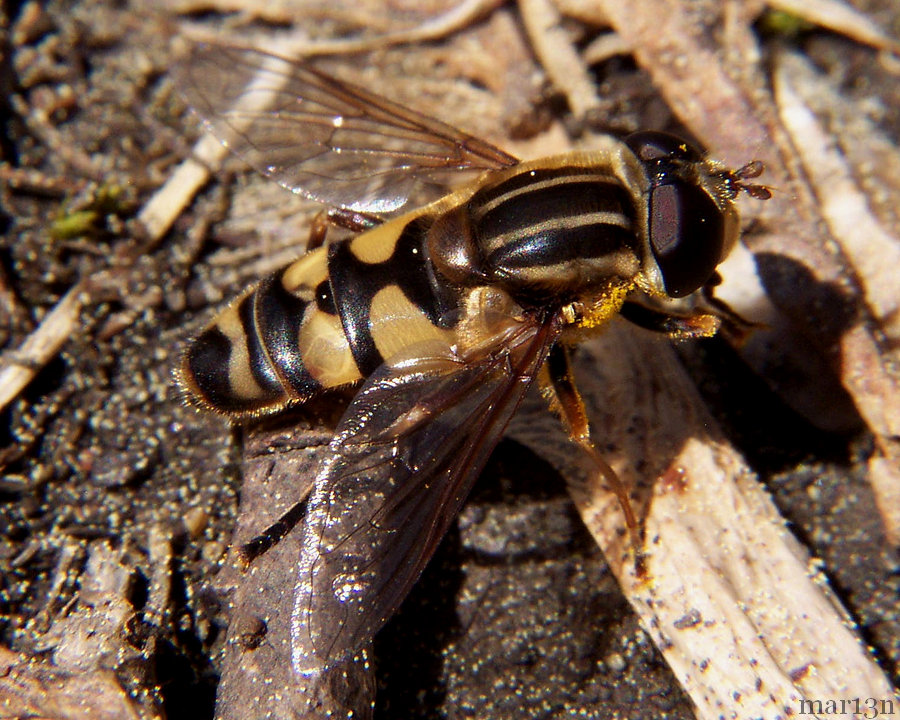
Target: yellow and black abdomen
327, 320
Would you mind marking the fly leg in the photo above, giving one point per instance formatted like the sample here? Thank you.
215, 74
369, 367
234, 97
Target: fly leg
354, 220
343, 218
679, 327
272, 535
712, 316
566, 400
734, 327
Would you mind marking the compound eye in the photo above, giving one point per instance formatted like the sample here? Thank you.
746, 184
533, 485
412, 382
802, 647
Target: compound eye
650, 146
686, 236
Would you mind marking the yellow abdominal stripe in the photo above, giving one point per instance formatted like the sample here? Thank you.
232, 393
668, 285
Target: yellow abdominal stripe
307, 271
397, 324
325, 350
240, 376
378, 244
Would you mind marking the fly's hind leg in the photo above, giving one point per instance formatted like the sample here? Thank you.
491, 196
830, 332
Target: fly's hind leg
343, 218
565, 399
272, 535
354, 220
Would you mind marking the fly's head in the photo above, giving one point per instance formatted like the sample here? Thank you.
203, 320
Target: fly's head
692, 221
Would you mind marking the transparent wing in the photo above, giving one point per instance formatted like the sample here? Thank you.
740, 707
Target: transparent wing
322, 138
405, 456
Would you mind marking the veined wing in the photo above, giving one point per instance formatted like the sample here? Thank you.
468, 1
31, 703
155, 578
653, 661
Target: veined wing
322, 138
405, 456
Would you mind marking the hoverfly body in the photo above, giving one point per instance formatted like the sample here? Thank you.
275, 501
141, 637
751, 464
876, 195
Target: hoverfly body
442, 317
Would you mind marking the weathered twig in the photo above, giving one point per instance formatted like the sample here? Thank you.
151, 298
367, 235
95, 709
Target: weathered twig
564, 66
839, 17
19, 367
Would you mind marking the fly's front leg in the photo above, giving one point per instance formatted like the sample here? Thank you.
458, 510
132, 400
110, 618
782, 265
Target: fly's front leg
737, 328
566, 400
712, 316
678, 327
